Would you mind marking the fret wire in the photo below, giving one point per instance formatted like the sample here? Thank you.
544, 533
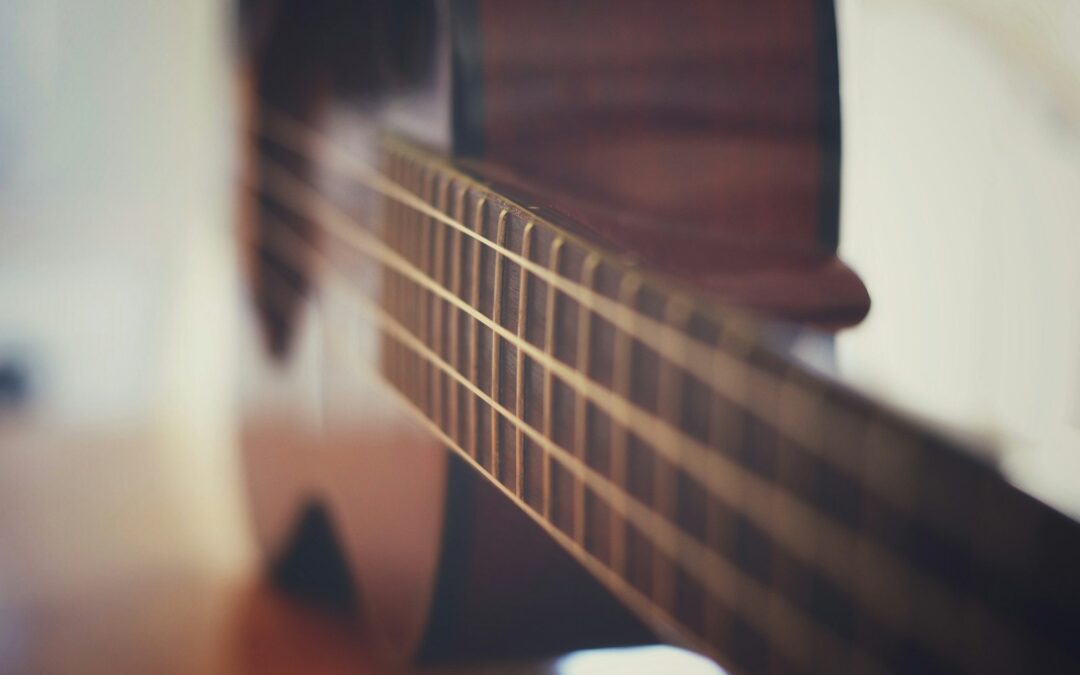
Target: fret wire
399, 220
737, 438
622, 377
669, 403
523, 299
554, 259
807, 534
409, 250
721, 436
584, 330
496, 361
783, 471
390, 300
474, 330
413, 218
436, 273
425, 263
455, 316
399, 354
714, 572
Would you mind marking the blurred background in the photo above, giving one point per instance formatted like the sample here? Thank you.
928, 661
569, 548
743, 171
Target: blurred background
961, 213
120, 300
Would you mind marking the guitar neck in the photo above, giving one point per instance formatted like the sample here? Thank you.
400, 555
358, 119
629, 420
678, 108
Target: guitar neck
737, 501
518, 346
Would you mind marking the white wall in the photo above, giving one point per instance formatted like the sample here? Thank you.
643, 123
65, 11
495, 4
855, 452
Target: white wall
116, 137
961, 211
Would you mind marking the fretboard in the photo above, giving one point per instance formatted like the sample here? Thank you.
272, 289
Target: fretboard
737, 501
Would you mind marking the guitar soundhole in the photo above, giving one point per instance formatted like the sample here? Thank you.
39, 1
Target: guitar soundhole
312, 565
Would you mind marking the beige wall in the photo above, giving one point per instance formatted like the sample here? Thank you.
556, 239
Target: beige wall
961, 210
115, 277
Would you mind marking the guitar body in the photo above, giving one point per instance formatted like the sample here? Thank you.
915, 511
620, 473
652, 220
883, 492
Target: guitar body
670, 168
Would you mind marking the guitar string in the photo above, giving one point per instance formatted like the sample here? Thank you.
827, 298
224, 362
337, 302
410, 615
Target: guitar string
762, 605
812, 538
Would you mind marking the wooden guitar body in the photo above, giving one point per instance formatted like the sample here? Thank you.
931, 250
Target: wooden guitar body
572, 242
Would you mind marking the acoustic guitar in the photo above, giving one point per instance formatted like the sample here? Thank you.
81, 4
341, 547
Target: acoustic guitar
531, 284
